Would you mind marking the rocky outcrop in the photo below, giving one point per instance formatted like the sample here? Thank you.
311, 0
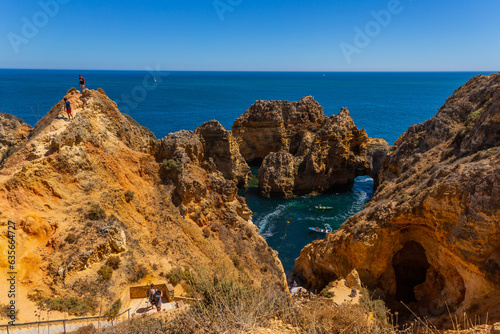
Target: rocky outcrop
13, 132
80, 191
336, 157
277, 175
220, 146
273, 126
430, 236
331, 157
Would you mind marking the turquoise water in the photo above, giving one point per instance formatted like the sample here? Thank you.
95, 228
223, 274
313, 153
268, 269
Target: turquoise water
385, 104
285, 223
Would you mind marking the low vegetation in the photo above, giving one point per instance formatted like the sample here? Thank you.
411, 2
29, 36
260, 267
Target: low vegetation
6, 311
105, 272
96, 212
176, 275
326, 292
229, 303
137, 272
113, 262
115, 308
129, 196
70, 238
70, 305
72, 90
172, 165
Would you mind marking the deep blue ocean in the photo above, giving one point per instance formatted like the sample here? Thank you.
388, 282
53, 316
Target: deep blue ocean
385, 104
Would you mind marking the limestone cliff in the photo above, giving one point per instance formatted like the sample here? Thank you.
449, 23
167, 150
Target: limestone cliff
80, 191
430, 237
273, 126
326, 156
277, 175
13, 132
220, 145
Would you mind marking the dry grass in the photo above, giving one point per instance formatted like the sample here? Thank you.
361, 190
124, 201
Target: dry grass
228, 303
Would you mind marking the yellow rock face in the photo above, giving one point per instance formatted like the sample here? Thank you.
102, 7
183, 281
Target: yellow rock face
430, 237
96, 187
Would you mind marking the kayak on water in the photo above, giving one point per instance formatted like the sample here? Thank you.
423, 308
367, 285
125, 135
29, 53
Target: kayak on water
319, 230
321, 207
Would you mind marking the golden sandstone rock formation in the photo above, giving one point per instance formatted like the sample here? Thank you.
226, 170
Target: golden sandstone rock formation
102, 185
304, 151
80, 191
430, 237
220, 145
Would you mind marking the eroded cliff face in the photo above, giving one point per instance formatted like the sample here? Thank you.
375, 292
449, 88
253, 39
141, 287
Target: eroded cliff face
80, 191
13, 132
312, 157
430, 237
220, 146
273, 126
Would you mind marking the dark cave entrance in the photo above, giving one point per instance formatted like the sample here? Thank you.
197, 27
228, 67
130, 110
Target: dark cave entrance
410, 267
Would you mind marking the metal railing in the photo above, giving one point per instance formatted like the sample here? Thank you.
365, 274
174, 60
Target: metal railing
111, 318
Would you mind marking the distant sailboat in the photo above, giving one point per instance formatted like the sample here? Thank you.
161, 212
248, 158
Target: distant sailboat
154, 78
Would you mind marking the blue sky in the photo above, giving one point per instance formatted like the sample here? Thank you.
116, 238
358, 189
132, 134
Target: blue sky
249, 35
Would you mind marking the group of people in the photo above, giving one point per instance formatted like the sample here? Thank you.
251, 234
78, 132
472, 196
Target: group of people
154, 297
81, 81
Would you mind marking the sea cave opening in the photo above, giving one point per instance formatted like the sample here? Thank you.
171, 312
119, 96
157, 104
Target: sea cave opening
410, 268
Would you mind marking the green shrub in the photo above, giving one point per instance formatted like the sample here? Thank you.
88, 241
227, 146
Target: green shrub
326, 291
70, 238
129, 196
376, 306
71, 305
72, 90
172, 165
236, 261
5, 311
96, 212
206, 232
105, 272
175, 276
115, 308
113, 262
137, 272
90, 329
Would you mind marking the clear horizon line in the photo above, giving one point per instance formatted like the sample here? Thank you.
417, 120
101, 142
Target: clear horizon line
284, 71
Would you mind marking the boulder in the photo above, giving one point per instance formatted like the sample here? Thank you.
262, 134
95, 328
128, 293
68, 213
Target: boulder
352, 280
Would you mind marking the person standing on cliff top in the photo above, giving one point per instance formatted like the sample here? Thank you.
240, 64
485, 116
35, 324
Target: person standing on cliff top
68, 108
81, 80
